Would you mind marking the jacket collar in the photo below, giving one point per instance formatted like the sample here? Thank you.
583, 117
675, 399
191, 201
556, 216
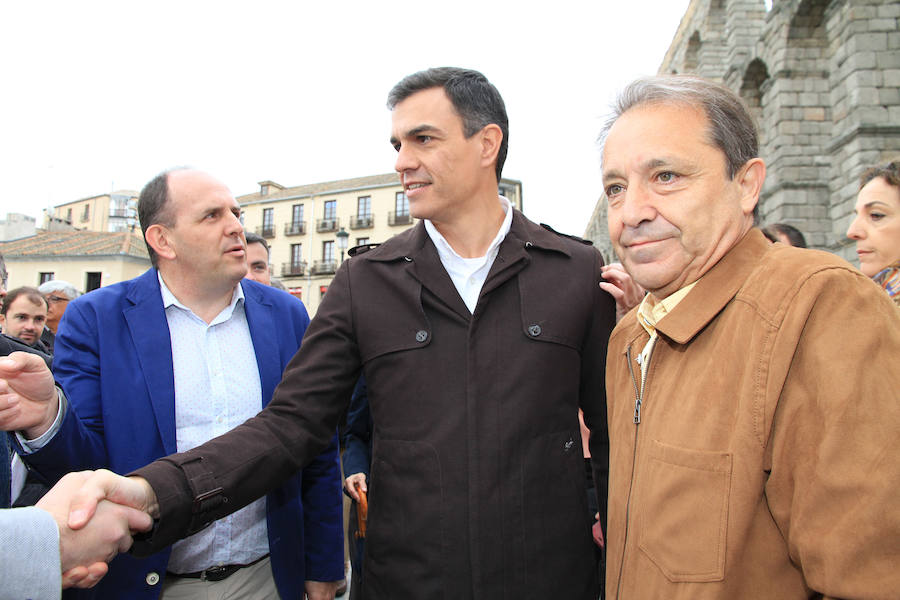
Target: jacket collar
715, 289
413, 242
416, 251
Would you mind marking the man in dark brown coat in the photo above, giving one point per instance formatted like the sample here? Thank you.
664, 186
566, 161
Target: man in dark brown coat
480, 334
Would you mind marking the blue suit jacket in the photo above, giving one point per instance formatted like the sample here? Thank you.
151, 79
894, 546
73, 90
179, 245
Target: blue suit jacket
114, 362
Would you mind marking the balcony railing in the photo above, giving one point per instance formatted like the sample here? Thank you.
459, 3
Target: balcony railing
290, 269
267, 231
399, 218
323, 267
331, 224
362, 222
121, 212
295, 228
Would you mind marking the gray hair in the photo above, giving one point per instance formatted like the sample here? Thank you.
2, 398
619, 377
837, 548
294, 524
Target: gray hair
731, 128
58, 285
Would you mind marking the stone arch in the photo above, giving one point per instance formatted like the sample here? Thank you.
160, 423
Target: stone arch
692, 54
807, 25
753, 86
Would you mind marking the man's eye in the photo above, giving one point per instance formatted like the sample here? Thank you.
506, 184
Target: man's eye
666, 177
614, 190
424, 139
396, 147
876, 216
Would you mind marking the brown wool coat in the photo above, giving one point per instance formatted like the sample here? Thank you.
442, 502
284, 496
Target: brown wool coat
765, 463
477, 484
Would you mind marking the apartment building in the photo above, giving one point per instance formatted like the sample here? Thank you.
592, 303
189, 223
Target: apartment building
116, 211
310, 227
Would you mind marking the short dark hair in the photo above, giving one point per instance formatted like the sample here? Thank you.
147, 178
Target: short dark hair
255, 238
29, 292
154, 206
474, 98
794, 236
731, 128
889, 172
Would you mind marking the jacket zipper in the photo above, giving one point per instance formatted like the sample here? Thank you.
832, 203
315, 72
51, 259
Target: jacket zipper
638, 401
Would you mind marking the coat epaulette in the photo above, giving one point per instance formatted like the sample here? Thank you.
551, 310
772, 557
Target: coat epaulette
566, 235
355, 250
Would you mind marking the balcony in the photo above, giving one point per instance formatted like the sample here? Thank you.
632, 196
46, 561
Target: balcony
295, 228
121, 213
266, 231
323, 267
399, 218
362, 222
297, 269
323, 225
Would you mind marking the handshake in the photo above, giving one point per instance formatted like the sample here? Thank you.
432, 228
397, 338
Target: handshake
96, 513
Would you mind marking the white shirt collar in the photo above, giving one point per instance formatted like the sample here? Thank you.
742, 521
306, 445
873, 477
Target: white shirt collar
169, 300
446, 251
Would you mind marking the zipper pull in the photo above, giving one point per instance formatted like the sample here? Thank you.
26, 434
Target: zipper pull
637, 411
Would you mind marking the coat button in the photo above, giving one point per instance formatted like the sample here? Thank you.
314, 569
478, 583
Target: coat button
421, 335
528, 244
152, 578
534, 330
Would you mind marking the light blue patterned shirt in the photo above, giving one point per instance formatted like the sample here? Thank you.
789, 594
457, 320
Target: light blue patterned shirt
217, 388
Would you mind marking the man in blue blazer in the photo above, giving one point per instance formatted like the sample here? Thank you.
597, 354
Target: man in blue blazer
170, 359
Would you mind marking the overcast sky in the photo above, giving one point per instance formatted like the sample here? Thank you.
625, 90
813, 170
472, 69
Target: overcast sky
104, 95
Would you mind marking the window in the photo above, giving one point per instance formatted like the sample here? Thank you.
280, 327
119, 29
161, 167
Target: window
45, 277
328, 251
296, 215
364, 207
92, 281
401, 204
362, 241
69, 216
268, 226
330, 209
296, 255
86, 215
400, 216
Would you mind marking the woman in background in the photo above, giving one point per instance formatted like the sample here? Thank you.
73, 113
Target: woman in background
876, 227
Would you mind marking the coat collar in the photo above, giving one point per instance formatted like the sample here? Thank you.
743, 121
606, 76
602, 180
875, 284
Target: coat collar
416, 251
413, 242
715, 289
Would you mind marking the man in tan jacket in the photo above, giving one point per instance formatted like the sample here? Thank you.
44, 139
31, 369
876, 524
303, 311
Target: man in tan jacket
753, 395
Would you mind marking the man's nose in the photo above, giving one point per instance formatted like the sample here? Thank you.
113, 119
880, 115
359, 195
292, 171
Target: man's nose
637, 206
406, 160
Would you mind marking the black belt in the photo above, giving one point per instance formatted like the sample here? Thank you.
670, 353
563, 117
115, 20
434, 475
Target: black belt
217, 573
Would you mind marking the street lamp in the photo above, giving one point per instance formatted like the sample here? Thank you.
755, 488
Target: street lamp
342, 242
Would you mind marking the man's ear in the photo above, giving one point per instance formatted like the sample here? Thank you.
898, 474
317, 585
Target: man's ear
491, 138
750, 178
157, 237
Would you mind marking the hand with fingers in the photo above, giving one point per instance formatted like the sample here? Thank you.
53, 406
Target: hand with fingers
28, 398
84, 552
357, 480
622, 287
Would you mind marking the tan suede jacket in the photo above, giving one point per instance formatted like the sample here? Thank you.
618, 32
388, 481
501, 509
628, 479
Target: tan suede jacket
761, 460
